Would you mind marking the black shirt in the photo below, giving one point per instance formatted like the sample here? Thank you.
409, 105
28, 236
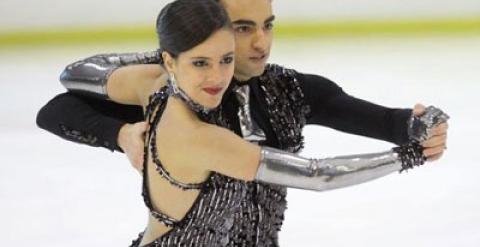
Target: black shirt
97, 122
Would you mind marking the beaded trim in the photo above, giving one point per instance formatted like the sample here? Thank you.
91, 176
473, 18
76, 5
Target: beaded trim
286, 106
175, 91
411, 155
164, 173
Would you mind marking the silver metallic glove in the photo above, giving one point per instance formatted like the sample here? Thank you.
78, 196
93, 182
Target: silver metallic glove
287, 169
419, 127
89, 76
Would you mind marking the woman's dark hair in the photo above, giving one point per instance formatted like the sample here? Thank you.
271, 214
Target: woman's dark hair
184, 24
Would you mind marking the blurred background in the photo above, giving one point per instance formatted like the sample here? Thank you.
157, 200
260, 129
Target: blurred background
395, 53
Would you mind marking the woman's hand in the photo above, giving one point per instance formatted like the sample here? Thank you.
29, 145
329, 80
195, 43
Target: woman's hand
436, 142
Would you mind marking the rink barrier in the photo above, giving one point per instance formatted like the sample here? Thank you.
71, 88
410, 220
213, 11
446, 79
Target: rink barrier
292, 29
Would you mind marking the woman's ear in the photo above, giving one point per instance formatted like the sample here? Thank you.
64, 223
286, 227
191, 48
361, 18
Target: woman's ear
168, 61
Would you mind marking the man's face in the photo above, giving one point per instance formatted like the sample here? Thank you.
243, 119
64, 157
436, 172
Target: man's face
252, 23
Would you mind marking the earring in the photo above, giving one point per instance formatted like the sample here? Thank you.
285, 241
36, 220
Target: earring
172, 76
173, 83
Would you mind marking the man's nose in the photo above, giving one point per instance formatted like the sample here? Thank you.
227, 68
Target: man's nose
260, 41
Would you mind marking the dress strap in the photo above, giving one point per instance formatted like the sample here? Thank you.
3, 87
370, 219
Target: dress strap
153, 113
162, 171
160, 105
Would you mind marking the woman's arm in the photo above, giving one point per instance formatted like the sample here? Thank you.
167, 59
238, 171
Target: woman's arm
217, 149
125, 74
133, 84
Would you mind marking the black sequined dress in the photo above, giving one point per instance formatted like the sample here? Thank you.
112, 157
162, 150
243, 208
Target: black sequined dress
230, 212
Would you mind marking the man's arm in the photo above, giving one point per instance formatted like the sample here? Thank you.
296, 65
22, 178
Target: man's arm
332, 107
87, 120
99, 122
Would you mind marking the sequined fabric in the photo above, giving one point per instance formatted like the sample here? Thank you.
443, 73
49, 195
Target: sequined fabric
229, 212
78, 135
419, 126
211, 219
286, 106
265, 204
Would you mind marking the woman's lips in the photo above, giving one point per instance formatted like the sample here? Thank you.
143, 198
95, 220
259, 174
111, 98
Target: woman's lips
212, 90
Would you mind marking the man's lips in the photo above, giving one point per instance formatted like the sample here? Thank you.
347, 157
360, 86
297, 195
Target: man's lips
212, 90
259, 58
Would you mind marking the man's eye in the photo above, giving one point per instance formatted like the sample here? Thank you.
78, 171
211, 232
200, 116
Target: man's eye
200, 63
242, 29
269, 26
227, 60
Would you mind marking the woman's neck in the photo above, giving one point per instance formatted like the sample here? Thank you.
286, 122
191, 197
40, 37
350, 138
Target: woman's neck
178, 110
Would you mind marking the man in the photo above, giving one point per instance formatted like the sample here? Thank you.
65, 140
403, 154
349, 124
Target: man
268, 105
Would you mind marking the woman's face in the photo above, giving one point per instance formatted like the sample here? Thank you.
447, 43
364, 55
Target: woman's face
205, 71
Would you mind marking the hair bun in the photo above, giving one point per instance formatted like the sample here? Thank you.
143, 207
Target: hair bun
184, 24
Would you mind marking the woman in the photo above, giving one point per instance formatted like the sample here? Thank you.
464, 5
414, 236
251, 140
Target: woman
196, 178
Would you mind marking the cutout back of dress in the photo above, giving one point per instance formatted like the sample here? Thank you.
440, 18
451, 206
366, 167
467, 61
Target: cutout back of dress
229, 212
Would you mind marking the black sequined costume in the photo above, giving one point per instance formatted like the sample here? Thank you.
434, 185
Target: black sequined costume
230, 212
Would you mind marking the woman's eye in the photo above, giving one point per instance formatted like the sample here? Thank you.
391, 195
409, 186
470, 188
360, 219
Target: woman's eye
200, 63
227, 60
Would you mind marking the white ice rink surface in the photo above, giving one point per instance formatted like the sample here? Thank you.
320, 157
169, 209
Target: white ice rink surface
56, 193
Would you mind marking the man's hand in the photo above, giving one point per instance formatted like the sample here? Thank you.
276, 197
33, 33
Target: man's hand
436, 143
131, 140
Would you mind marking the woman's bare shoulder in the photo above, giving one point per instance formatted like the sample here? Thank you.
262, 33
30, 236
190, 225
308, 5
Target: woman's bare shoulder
175, 148
220, 150
203, 148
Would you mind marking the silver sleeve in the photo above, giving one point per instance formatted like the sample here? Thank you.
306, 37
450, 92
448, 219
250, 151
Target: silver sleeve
89, 76
291, 170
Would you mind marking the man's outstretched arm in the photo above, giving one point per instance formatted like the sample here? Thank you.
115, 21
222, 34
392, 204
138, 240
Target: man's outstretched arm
332, 107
